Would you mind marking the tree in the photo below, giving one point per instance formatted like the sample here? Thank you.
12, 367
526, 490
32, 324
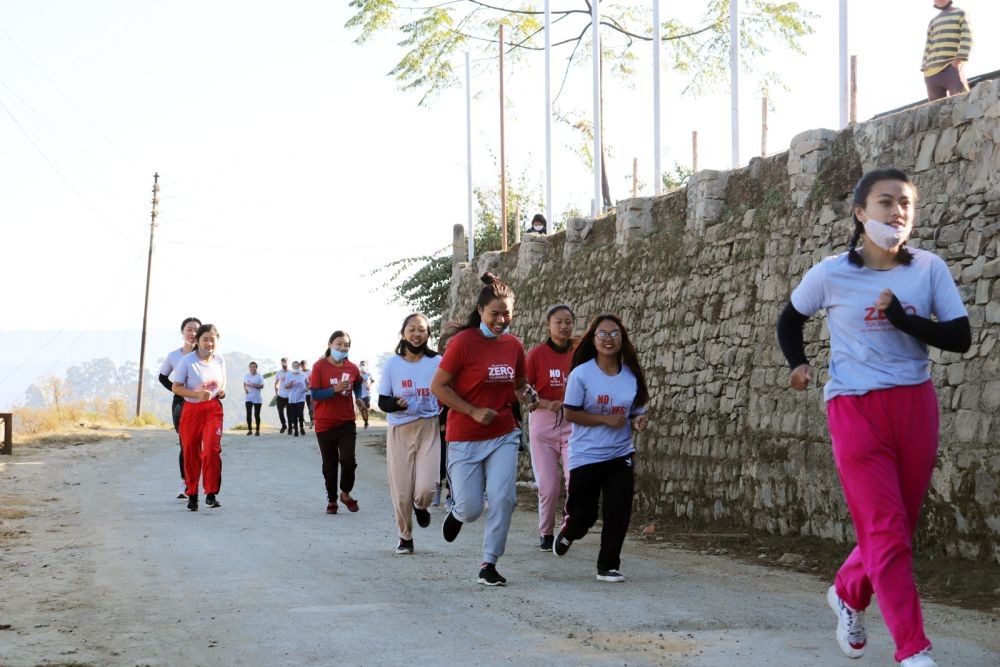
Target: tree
422, 282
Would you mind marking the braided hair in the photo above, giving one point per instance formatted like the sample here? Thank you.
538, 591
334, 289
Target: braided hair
862, 189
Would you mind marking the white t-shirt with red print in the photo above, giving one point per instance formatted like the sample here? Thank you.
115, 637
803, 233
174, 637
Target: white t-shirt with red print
196, 374
866, 351
592, 390
410, 380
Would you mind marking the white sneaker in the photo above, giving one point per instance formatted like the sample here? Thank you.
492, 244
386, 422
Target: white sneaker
182, 494
922, 659
851, 635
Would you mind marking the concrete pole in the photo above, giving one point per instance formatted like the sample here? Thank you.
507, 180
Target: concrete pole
595, 32
468, 151
503, 159
548, 116
842, 59
734, 77
657, 167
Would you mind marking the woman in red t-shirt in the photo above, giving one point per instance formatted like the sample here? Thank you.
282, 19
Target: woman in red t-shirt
480, 377
335, 385
548, 367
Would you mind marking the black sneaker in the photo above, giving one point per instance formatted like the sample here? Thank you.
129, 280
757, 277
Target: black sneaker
404, 546
423, 516
283, 429
249, 432
193, 502
614, 576
450, 528
489, 575
561, 544
211, 501
257, 433
545, 543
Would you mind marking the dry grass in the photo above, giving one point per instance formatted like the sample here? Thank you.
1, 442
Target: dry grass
76, 423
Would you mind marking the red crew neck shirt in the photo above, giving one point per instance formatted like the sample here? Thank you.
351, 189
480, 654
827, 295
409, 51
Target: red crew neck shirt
483, 373
548, 371
332, 412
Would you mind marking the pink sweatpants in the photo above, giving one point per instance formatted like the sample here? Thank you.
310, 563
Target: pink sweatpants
549, 450
885, 444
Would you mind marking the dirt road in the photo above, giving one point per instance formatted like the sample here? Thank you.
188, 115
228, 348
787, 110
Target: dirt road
100, 565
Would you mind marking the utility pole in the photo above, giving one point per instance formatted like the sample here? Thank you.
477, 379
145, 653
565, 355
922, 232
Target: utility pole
503, 159
145, 307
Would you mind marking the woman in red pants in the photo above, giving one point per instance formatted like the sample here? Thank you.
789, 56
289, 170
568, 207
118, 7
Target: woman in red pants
880, 402
200, 378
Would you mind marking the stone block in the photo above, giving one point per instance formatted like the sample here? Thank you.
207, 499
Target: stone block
634, 219
925, 157
944, 152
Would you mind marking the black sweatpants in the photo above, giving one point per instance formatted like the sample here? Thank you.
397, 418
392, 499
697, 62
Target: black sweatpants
175, 410
613, 480
255, 409
282, 404
295, 420
309, 406
337, 446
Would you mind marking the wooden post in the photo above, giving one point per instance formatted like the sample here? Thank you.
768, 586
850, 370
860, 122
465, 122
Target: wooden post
145, 307
854, 90
7, 444
694, 151
503, 159
635, 177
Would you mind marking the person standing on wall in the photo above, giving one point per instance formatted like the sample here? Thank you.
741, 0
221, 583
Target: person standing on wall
189, 330
366, 388
296, 384
606, 398
253, 382
479, 377
949, 43
200, 378
309, 401
881, 406
281, 394
412, 451
548, 367
335, 384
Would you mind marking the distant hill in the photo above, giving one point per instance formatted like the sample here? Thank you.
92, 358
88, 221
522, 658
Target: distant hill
26, 356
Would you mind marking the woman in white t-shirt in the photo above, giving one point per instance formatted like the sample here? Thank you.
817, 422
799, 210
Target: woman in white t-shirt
253, 382
297, 386
605, 401
189, 329
881, 405
413, 454
200, 378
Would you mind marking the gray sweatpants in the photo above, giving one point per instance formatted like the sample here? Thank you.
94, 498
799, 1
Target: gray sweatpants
488, 466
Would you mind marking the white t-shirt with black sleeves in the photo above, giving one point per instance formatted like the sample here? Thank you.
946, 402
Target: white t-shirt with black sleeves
592, 390
253, 393
170, 363
196, 374
866, 351
410, 380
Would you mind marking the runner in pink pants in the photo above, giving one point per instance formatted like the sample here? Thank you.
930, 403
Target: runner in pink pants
547, 369
881, 406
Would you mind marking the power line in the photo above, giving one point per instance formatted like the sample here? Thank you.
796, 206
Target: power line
64, 179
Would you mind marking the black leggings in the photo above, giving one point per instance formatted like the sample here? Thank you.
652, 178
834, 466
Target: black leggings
175, 410
255, 409
337, 446
282, 404
295, 420
615, 481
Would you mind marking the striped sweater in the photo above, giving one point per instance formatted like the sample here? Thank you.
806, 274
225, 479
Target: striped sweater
948, 38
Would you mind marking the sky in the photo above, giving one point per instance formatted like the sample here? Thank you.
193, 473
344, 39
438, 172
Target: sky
291, 166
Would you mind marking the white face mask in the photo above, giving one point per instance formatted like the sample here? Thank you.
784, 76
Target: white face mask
886, 236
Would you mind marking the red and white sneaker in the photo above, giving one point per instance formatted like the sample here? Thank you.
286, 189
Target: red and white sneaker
851, 635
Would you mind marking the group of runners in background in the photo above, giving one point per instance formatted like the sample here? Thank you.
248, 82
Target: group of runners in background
585, 397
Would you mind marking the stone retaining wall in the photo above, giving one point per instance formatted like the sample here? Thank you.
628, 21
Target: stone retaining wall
700, 275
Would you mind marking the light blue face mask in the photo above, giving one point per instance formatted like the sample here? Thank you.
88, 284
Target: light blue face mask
489, 332
338, 355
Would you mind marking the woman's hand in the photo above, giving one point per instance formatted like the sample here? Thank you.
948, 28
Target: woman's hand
484, 416
640, 422
343, 385
615, 421
884, 300
554, 406
221, 395
402, 403
202, 394
801, 377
